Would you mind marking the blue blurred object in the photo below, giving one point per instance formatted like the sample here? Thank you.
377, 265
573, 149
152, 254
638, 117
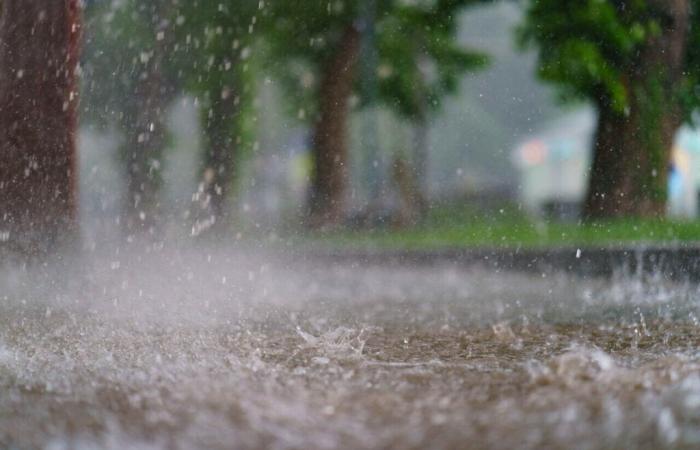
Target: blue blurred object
675, 183
690, 140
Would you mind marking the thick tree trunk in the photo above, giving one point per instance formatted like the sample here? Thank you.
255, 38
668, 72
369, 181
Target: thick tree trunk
39, 50
629, 175
330, 139
219, 125
147, 138
632, 151
603, 198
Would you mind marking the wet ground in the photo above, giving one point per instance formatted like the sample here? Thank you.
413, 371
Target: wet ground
229, 349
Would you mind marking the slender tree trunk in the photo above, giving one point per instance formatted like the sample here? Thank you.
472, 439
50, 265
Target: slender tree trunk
421, 126
420, 163
632, 151
39, 50
330, 139
147, 138
219, 162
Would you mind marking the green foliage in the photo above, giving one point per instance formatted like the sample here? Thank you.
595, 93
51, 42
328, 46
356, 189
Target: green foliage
689, 92
310, 30
207, 44
213, 56
210, 45
419, 59
300, 37
588, 47
120, 39
212, 41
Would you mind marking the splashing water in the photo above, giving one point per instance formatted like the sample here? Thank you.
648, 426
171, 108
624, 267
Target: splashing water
206, 349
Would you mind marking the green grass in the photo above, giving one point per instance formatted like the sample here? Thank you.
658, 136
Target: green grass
454, 227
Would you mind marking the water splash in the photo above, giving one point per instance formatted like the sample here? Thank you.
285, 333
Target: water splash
158, 352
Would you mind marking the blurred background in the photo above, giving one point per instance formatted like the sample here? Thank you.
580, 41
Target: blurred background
405, 122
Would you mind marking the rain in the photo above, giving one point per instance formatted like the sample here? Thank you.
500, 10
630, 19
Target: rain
349, 224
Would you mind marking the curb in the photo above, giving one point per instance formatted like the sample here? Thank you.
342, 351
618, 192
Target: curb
675, 263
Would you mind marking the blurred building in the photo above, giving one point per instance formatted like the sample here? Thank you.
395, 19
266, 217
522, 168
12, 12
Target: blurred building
554, 162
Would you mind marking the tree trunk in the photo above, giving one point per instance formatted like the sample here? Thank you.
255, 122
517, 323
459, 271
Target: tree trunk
147, 138
632, 151
421, 125
39, 50
607, 171
330, 139
219, 162
420, 163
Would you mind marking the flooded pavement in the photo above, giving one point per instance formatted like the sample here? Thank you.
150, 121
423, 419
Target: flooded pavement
226, 349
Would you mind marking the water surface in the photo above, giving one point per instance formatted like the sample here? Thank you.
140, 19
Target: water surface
234, 349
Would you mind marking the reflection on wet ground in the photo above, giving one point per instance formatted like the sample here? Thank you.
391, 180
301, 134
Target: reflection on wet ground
197, 349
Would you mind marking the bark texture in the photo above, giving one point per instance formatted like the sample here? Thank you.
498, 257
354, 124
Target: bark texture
39, 50
330, 140
632, 151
